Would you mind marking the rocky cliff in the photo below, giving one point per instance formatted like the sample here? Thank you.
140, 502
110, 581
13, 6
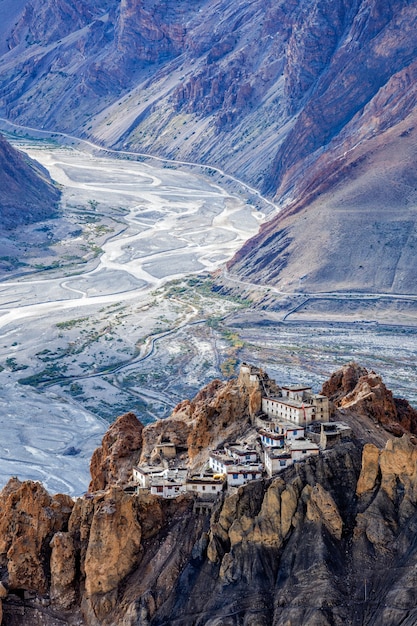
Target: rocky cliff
355, 390
222, 411
329, 541
26, 190
120, 450
320, 544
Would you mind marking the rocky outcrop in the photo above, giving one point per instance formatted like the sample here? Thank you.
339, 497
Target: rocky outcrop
221, 411
112, 463
343, 381
339, 518
27, 193
353, 389
63, 570
3, 595
370, 469
115, 525
29, 519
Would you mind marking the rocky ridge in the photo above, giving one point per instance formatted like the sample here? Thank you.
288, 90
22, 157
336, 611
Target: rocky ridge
27, 193
306, 101
111, 557
262, 75
355, 390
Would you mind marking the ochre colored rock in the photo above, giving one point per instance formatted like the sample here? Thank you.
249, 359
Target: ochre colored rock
174, 429
398, 462
115, 525
321, 508
257, 553
112, 463
343, 381
370, 469
394, 503
289, 500
29, 518
63, 569
354, 389
3, 595
221, 411
113, 543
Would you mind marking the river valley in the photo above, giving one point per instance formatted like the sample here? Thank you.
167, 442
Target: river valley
111, 307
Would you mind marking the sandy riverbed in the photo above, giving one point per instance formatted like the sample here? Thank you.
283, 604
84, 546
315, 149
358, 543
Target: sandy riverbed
173, 223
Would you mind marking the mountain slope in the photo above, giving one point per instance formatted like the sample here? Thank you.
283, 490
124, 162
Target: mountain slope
352, 228
26, 192
273, 81
300, 99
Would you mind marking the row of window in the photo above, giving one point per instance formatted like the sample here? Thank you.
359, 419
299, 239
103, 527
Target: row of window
170, 487
245, 476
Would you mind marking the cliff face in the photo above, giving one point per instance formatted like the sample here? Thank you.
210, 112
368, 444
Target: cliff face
220, 412
318, 544
337, 519
120, 449
26, 191
354, 390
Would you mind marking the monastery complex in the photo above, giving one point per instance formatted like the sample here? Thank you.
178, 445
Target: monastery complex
290, 423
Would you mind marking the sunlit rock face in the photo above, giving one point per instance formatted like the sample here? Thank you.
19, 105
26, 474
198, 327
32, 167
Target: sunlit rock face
26, 191
111, 557
139, 559
112, 462
355, 389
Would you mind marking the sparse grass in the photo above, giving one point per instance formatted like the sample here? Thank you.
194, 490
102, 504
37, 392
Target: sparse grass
67, 325
49, 374
228, 367
14, 366
233, 338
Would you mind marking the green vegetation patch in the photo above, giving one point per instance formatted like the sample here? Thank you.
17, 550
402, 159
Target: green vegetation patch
71, 323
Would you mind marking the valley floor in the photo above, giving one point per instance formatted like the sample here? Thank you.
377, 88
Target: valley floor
112, 308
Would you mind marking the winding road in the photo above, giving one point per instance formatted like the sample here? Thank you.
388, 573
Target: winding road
203, 167
176, 224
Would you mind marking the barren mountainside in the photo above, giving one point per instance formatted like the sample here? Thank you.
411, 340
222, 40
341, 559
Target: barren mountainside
328, 541
26, 190
308, 101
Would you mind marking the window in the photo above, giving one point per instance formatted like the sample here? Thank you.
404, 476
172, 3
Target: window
213, 488
235, 476
245, 476
159, 489
204, 487
283, 463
